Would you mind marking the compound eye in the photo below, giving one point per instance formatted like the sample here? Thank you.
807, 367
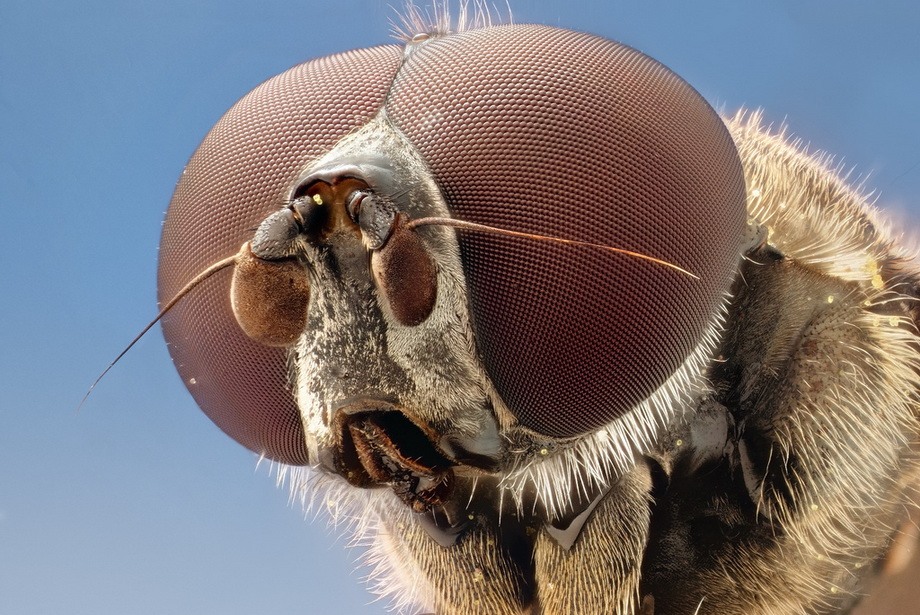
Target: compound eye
549, 132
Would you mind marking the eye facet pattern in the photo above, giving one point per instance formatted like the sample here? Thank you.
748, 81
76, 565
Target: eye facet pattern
553, 132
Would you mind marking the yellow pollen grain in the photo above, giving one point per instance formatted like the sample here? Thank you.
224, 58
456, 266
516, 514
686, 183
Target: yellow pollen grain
877, 282
317, 199
893, 321
830, 298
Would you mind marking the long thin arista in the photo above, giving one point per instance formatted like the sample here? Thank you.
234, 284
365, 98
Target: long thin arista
483, 228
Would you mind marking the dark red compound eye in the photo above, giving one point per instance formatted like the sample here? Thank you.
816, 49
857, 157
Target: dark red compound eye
553, 132
526, 128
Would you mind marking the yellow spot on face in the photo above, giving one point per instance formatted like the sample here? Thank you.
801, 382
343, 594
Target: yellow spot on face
877, 282
317, 199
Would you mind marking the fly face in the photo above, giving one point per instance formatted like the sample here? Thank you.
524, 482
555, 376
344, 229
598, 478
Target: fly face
386, 382
557, 336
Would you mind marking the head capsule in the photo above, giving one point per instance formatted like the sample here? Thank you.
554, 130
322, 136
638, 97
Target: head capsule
531, 129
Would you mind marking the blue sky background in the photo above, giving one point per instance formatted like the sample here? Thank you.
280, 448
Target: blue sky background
138, 504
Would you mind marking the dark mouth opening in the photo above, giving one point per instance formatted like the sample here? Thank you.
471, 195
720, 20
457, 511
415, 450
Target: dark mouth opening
382, 447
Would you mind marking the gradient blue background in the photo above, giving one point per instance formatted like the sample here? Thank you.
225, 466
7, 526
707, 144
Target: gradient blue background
138, 504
